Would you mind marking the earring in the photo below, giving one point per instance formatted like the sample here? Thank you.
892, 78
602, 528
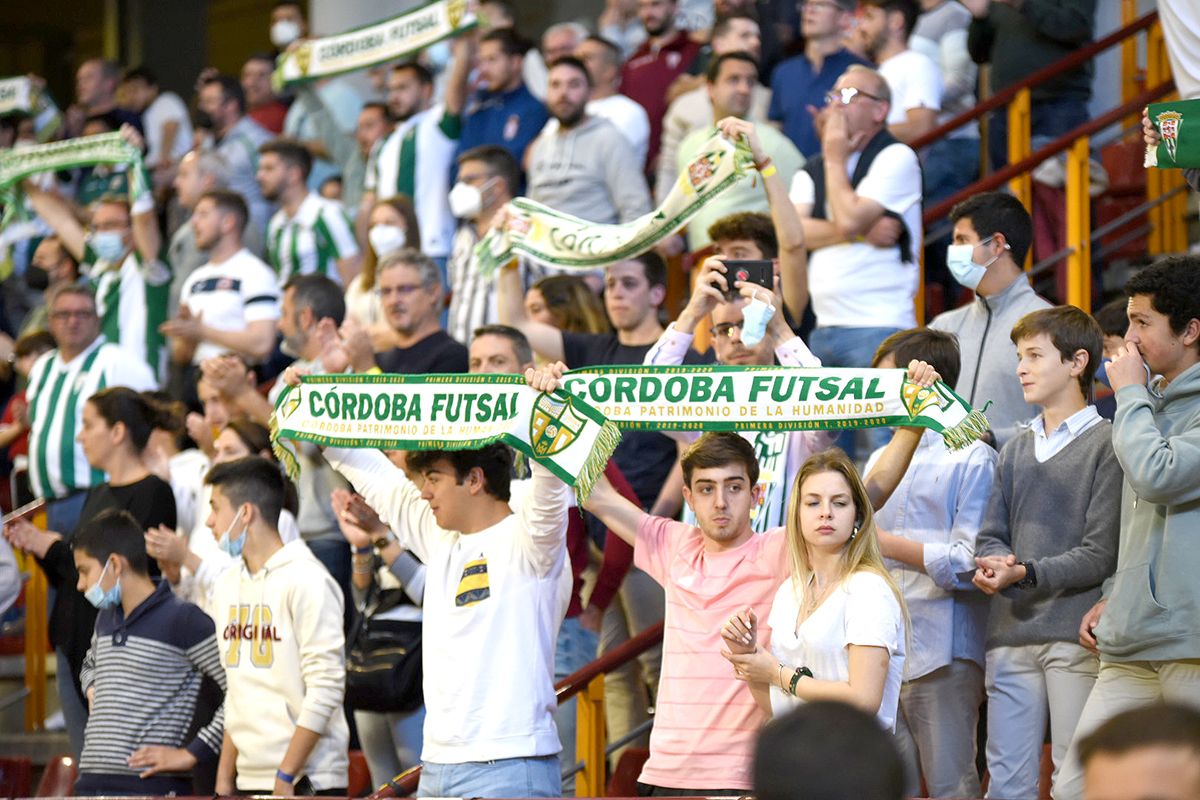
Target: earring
854, 532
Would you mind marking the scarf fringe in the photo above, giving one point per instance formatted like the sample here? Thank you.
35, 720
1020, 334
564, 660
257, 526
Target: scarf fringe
606, 442
282, 448
972, 428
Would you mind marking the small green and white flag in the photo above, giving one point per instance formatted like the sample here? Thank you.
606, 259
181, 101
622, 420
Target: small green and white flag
378, 43
1178, 123
21, 94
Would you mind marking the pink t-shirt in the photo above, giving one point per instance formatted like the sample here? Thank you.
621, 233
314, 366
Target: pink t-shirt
705, 720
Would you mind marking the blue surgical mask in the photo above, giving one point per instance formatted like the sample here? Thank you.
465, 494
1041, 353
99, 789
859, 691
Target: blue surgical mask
99, 597
960, 260
755, 318
233, 547
107, 245
1102, 372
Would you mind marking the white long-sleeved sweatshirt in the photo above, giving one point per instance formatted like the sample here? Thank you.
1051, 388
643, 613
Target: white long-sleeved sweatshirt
493, 603
280, 633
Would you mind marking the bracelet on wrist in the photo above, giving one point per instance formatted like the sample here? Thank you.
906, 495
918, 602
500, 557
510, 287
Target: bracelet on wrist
283, 776
768, 172
363, 551
801, 672
761, 165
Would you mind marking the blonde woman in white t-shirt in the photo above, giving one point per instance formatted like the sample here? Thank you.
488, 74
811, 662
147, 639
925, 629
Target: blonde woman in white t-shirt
836, 630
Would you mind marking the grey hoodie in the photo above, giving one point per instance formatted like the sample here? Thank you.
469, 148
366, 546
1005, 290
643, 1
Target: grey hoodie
1153, 610
989, 358
589, 171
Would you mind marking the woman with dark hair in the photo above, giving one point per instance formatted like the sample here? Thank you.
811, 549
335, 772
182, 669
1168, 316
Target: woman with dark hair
117, 423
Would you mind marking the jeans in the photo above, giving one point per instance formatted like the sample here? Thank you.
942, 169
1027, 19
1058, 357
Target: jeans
335, 555
75, 712
949, 166
62, 516
1048, 120
536, 776
576, 648
851, 347
391, 742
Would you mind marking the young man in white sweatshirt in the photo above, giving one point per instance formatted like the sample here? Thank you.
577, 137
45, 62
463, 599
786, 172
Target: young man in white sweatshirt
279, 620
496, 591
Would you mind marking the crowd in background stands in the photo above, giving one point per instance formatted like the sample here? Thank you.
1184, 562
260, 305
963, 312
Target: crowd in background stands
1045, 573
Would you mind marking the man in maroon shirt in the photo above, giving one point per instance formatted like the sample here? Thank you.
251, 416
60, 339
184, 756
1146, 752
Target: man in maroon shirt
664, 56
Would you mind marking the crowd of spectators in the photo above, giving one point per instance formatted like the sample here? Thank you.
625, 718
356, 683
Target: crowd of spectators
204, 605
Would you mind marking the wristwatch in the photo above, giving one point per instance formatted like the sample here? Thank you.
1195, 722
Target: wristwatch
384, 540
1030, 579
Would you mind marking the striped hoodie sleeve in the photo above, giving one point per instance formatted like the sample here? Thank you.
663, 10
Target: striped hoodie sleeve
205, 656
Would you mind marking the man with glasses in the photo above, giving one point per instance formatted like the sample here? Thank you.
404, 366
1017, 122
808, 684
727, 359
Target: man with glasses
799, 84
412, 294
120, 254
861, 292
60, 383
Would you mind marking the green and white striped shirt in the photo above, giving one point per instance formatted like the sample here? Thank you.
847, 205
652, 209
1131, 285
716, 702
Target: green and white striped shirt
132, 302
56, 394
312, 241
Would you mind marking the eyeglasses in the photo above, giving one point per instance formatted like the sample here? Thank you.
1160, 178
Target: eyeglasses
846, 95
404, 289
60, 316
825, 4
725, 329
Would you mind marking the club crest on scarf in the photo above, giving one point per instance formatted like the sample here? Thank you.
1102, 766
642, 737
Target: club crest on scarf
553, 425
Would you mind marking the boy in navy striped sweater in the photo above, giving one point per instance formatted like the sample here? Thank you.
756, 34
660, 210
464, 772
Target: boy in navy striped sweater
150, 650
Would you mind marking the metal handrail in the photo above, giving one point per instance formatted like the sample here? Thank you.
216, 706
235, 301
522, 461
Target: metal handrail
1059, 145
1004, 96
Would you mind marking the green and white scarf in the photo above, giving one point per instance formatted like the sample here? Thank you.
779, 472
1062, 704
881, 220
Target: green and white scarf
373, 44
566, 242
446, 412
105, 148
721, 398
568, 431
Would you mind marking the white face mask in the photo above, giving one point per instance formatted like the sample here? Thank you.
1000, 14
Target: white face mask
284, 32
755, 317
107, 245
960, 260
466, 201
386, 239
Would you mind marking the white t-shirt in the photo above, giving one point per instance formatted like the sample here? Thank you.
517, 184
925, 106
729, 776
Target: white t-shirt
230, 295
862, 611
856, 284
167, 107
915, 81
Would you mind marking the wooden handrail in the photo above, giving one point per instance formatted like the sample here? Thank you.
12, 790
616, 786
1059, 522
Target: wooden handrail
577, 681
1002, 176
1003, 97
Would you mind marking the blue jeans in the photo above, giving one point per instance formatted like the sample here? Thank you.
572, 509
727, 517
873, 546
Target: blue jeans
576, 648
335, 555
949, 165
851, 347
62, 516
75, 713
536, 776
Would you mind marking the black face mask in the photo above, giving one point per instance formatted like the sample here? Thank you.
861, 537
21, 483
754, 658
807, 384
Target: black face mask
202, 119
37, 278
